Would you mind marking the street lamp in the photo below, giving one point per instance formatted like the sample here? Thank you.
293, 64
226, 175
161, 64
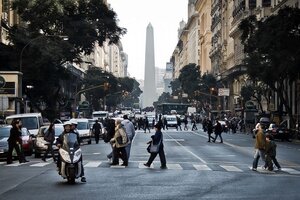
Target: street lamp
34, 39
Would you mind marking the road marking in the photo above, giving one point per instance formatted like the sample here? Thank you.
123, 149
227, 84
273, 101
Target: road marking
117, 167
291, 171
93, 164
174, 166
202, 168
203, 161
231, 168
15, 164
42, 164
142, 166
174, 140
96, 153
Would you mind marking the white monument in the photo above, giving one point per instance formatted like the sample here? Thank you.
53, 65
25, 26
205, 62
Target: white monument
149, 92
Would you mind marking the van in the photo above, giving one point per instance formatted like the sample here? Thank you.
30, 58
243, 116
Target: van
100, 114
31, 121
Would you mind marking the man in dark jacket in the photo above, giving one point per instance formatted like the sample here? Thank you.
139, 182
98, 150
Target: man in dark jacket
15, 142
97, 130
218, 131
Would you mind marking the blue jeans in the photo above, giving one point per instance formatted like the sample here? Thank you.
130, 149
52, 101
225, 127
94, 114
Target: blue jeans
258, 153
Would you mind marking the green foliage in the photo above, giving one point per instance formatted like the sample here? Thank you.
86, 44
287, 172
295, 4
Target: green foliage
45, 53
272, 48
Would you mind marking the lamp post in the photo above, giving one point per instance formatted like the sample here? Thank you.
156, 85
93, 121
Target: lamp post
34, 39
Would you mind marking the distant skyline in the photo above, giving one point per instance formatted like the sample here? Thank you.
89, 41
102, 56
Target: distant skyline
135, 15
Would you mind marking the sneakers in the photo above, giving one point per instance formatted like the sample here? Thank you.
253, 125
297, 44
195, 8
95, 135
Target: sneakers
254, 169
146, 164
83, 179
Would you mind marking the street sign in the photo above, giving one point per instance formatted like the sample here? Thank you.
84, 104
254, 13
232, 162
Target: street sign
3, 103
223, 92
2, 82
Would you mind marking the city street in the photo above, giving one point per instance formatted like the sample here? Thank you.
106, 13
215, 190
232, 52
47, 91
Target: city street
196, 170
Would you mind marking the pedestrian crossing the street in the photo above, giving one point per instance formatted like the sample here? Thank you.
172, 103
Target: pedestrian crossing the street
156, 165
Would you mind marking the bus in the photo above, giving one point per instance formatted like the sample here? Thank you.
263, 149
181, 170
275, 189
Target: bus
169, 108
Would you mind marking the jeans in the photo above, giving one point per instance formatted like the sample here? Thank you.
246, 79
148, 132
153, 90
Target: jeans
258, 153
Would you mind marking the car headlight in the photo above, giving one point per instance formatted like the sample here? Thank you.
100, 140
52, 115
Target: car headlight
65, 155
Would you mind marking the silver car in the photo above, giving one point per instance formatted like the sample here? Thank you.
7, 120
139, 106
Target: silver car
40, 145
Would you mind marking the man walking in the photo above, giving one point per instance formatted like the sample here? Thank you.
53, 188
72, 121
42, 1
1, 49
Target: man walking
130, 131
260, 146
97, 130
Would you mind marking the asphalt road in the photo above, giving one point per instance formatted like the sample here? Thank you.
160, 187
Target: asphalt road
196, 170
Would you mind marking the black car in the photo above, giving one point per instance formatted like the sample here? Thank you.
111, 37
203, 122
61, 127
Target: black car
280, 131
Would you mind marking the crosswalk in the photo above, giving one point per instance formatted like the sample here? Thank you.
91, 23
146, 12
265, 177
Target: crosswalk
170, 166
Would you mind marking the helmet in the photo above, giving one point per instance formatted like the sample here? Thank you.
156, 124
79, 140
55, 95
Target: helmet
73, 122
67, 123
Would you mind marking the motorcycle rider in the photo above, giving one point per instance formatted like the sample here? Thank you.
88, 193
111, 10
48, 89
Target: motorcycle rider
69, 127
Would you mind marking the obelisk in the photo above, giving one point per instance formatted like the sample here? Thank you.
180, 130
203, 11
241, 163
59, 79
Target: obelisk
149, 92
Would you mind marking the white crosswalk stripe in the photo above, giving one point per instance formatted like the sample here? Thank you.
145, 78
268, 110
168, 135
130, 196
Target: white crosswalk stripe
174, 166
93, 164
291, 171
156, 165
231, 168
202, 167
42, 164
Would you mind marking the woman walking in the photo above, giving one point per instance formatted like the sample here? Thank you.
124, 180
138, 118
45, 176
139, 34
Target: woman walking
15, 142
119, 142
49, 138
157, 138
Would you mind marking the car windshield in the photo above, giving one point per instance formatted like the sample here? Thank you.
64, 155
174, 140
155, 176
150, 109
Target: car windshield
30, 122
82, 125
4, 132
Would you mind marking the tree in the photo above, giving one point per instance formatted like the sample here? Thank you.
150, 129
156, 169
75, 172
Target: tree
84, 22
272, 51
189, 78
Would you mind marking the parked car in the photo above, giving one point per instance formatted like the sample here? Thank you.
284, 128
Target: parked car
264, 122
31, 121
279, 131
27, 144
40, 145
171, 120
84, 130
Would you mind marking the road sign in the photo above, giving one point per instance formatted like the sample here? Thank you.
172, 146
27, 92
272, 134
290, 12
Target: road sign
2, 82
223, 92
3, 103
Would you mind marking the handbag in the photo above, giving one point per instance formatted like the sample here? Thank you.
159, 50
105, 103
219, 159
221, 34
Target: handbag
153, 148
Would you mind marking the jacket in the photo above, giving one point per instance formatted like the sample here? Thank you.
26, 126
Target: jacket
129, 128
271, 148
120, 132
15, 135
260, 141
157, 137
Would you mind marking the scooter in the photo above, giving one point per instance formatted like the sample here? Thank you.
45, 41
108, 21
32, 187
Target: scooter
70, 156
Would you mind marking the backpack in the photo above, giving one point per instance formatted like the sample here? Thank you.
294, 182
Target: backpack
49, 137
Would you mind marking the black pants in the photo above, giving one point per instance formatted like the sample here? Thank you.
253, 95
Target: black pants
119, 153
210, 137
97, 136
269, 163
49, 149
162, 157
11, 147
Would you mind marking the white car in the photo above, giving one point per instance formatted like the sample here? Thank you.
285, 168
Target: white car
171, 120
83, 128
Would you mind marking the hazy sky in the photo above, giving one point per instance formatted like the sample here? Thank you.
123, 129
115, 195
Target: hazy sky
135, 15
